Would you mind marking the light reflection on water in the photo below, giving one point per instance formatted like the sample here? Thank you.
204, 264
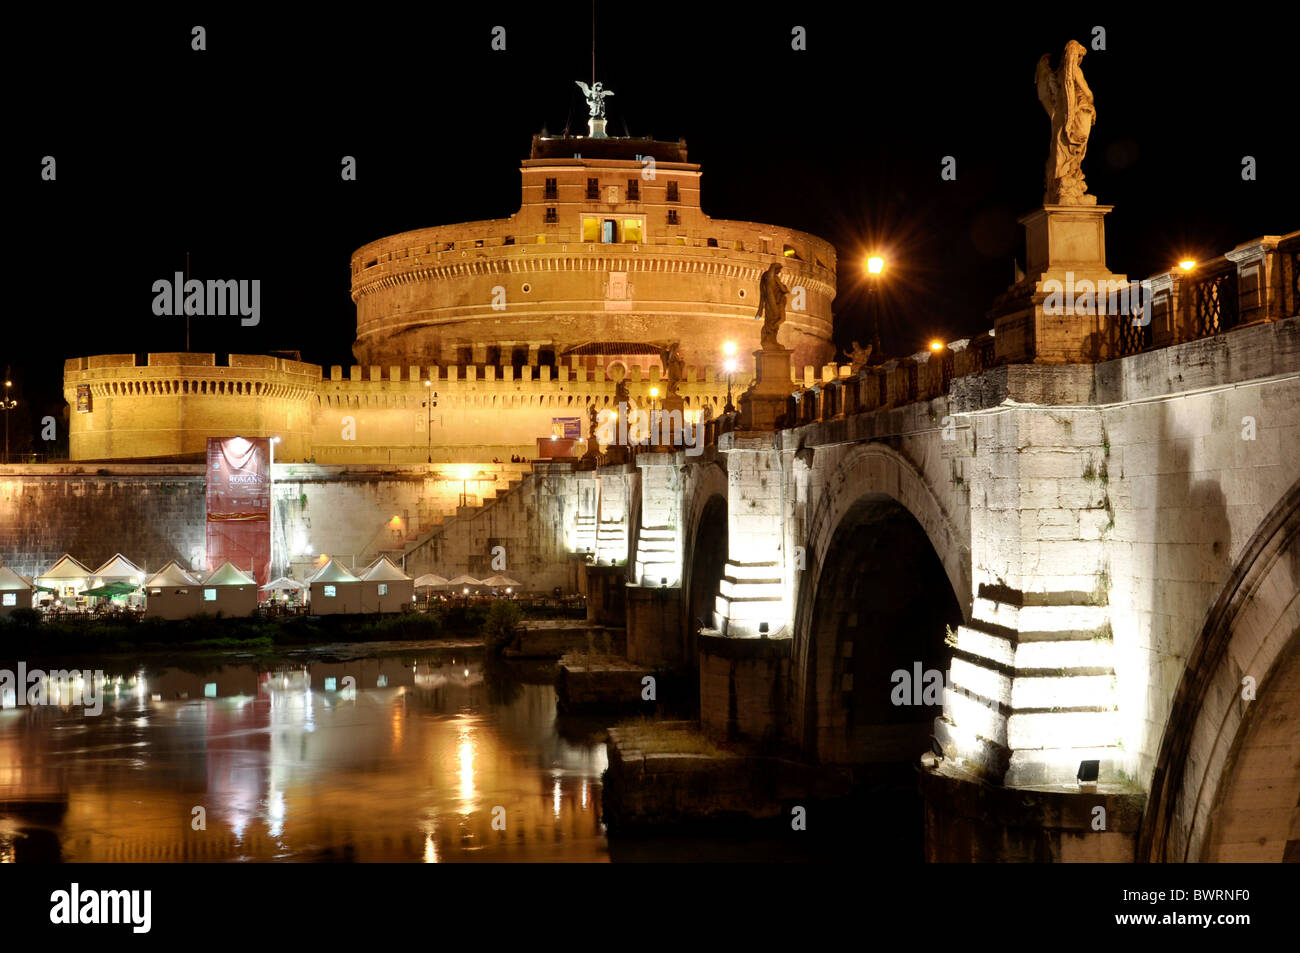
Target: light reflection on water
406, 763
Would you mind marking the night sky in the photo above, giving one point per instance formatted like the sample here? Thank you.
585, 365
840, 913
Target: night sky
233, 154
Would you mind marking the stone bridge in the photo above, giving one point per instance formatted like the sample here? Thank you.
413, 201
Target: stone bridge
1007, 566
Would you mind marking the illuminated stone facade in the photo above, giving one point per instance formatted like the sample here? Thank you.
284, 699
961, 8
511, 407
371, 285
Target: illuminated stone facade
515, 323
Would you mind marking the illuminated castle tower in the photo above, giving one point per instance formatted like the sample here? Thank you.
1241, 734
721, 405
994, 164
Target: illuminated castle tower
518, 325
609, 256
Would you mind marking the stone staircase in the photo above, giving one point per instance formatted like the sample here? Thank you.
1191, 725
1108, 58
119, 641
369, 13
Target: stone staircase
434, 516
1032, 688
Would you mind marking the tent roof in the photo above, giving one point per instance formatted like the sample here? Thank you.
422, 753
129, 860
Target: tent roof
500, 582
172, 575
430, 580
465, 579
119, 565
65, 567
383, 570
227, 574
10, 580
332, 572
285, 582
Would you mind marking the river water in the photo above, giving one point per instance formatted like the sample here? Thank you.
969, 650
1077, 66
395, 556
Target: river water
228, 759
377, 752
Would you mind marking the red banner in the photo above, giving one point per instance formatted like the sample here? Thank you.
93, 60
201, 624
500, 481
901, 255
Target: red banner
239, 504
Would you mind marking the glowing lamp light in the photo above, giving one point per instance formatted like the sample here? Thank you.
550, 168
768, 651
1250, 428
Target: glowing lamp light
1187, 264
730, 365
875, 265
428, 383
729, 348
654, 392
936, 345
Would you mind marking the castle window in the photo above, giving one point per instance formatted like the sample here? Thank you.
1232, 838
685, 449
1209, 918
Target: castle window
672, 216
552, 190
545, 357
713, 243
593, 188
633, 190
672, 192
632, 230
519, 357
493, 355
591, 229
508, 240
464, 355
551, 217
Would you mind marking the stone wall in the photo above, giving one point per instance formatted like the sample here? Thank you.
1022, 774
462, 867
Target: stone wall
150, 514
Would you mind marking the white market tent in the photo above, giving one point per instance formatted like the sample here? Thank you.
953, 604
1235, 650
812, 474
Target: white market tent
282, 587
117, 569
172, 593
431, 580
229, 591
334, 590
464, 580
66, 577
502, 582
16, 592
387, 588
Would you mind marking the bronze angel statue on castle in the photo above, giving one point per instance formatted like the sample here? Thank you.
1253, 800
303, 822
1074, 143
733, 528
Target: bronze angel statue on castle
1065, 95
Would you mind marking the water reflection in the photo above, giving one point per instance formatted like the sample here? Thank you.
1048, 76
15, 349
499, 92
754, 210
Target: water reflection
369, 759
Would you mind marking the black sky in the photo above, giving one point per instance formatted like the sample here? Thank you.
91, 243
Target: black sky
233, 154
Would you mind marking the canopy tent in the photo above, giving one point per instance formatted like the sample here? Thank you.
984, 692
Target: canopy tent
431, 581
118, 569
387, 588
112, 589
16, 592
173, 574
229, 590
286, 589
173, 592
464, 579
335, 589
501, 582
66, 577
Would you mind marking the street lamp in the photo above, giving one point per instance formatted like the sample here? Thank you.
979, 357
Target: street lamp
7, 405
875, 267
429, 401
729, 349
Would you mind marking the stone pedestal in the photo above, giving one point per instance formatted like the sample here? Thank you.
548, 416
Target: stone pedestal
741, 686
654, 626
764, 403
606, 601
1060, 313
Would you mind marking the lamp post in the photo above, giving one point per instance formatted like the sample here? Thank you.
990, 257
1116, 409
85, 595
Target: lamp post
7, 405
729, 349
429, 401
875, 267
654, 400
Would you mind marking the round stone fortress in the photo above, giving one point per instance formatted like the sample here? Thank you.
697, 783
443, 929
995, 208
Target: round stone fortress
516, 327
609, 247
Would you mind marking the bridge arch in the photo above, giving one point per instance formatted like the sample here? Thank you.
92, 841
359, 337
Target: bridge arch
1227, 777
704, 551
885, 572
